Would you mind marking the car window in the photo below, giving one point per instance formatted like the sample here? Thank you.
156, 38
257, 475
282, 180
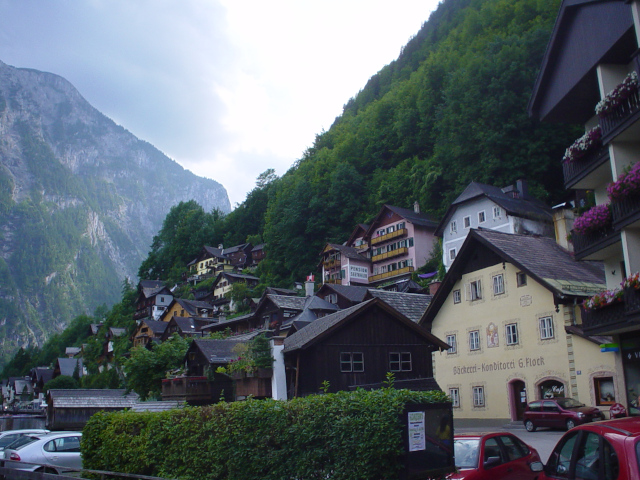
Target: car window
569, 403
21, 442
7, 439
512, 447
466, 452
535, 406
587, 457
560, 459
491, 450
63, 444
549, 406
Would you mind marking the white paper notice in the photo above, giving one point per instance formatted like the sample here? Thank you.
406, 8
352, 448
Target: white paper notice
416, 432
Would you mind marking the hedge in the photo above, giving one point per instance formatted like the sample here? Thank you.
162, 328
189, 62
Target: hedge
341, 436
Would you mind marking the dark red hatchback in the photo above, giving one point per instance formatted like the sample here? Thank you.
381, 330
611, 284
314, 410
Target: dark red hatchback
558, 413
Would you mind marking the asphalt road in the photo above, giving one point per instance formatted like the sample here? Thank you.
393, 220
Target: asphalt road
543, 439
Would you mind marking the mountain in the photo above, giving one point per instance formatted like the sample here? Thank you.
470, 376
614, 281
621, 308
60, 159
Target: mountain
80, 201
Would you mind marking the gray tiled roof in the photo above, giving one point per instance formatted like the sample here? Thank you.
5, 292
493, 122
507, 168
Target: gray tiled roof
321, 325
349, 252
350, 292
157, 406
413, 217
68, 366
287, 301
235, 248
547, 261
411, 305
239, 276
217, 351
156, 326
92, 398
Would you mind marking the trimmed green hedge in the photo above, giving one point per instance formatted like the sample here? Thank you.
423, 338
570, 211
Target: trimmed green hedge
342, 436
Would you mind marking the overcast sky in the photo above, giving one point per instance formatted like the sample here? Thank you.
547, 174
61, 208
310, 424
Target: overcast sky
227, 88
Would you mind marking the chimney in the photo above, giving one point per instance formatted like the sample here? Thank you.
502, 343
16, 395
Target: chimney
309, 286
523, 188
434, 286
416, 207
220, 246
563, 224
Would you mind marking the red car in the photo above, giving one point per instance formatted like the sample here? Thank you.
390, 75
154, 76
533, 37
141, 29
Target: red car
608, 450
493, 456
558, 413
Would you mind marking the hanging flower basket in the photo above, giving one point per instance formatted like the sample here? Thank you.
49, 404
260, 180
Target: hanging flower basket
589, 142
618, 95
627, 185
597, 218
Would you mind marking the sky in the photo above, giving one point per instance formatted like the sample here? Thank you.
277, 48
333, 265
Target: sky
226, 88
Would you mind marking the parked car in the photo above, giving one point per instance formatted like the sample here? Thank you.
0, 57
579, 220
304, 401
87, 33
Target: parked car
499, 455
558, 413
9, 436
53, 452
608, 450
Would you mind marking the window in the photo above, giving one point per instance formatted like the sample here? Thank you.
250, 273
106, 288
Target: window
453, 344
498, 284
351, 362
474, 340
466, 221
497, 212
481, 217
452, 254
400, 361
390, 229
400, 226
454, 393
474, 290
546, 328
453, 227
521, 279
478, 396
456, 296
512, 334
605, 393
411, 242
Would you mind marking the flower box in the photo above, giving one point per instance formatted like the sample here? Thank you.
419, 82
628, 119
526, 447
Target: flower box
618, 96
589, 142
597, 218
627, 185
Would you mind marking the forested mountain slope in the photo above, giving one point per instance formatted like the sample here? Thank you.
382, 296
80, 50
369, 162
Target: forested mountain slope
450, 110
80, 200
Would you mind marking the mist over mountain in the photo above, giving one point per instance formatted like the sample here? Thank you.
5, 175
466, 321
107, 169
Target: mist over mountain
80, 201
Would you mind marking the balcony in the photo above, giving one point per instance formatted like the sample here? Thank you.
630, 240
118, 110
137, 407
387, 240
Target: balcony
333, 263
585, 245
257, 386
383, 238
195, 390
614, 318
625, 211
333, 281
621, 117
142, 313
391, 254
395, 273
577, 170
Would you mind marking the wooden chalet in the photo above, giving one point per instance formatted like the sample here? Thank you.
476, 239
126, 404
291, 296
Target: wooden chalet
239, 255
39, 377
209, 262
186, 327
357, 346
67, 367
147, 331
71, 409
344, 296
181, 307
153, 299
257, 254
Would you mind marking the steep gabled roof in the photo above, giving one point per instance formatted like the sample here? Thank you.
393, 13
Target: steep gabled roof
349, 252
541, 258
359, 231
156, 326
92, 398
411, 305
216, 351
419, 219
68, 365
350, 292
519, 207
236, 248
325, 326
192, 306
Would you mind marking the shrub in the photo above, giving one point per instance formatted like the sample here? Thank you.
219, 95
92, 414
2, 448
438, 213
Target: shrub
342, 436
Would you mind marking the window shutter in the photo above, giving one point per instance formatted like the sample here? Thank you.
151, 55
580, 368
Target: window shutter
467, 291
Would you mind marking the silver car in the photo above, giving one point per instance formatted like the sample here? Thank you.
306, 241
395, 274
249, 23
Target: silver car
9, 436
54, 452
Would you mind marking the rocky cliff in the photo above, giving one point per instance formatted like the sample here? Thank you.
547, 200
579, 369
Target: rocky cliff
80, 200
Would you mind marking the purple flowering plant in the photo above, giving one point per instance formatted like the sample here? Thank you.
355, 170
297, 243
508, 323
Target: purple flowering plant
628, 184
594, 219
632, 281
588, 142
603, 299
618, 95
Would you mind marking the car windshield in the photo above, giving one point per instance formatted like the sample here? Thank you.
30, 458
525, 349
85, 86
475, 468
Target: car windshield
8, 439
466, 452
569, 403
21, 442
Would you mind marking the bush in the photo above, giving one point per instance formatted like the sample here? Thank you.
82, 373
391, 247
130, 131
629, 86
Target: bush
342, 436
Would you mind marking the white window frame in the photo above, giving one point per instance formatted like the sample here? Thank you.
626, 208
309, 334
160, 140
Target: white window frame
546, 327
478, 396
351, 362
454, 394
457, 297
511, 333
497, 212
474, 290
466, 222
498, 284
474, 340
452, 254
482, 217
400, 362
453, 343
521, 279
453, 227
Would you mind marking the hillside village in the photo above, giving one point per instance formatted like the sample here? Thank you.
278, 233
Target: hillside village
536, 302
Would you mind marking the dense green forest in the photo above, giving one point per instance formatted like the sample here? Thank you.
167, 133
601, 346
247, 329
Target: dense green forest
450, 110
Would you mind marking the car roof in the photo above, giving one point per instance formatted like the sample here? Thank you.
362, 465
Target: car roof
23, 430
479, 434
627, 426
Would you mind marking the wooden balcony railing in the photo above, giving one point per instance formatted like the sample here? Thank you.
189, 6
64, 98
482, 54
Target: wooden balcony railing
585, 245
189, 389
625, 211
613, 318
333, 263
388, 236
615, 121
334, 281
578, 169
395, 273
392, 253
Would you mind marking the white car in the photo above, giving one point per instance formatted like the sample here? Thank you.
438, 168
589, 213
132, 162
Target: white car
54, 452
9, 436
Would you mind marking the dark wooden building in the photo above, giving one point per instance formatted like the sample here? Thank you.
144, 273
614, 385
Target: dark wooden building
358, 346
